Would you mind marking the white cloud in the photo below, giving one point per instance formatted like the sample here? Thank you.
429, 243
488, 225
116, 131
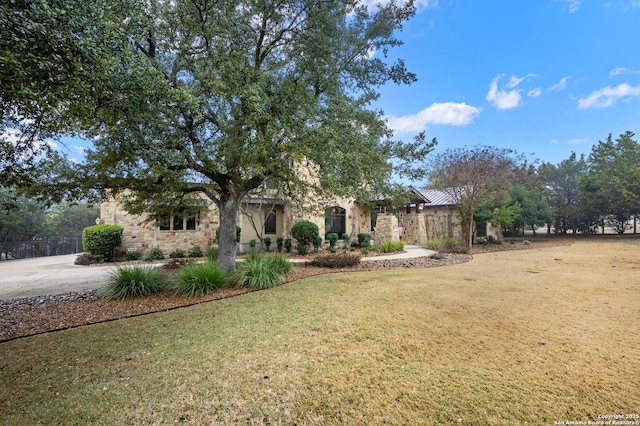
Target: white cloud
577, 141
80, 149
622, 70
608, 96
506, 99
555, 142
561, 84
534, 93
574, 5
451, 113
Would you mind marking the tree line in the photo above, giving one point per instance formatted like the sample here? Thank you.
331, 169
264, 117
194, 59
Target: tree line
578, 195
24, 219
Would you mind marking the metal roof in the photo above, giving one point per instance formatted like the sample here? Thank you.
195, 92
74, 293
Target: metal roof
438, 197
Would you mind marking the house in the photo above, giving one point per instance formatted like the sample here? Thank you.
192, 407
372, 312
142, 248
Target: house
428, 215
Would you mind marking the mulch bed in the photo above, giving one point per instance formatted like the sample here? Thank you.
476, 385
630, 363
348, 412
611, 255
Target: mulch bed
37, 315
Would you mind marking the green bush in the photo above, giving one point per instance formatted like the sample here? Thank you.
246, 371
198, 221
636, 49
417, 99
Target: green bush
198, 279
317, 244
364, 240
212, 255
389, 246
287, 245
101, 241
305, 232
135, 281
279, 244
134, 255
252, 244
154, 254
267, 243
260, 272
335, 261
346, 240
447, 244
333, 239
177, 254
195, 251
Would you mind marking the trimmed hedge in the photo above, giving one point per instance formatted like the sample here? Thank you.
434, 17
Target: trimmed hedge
335, 261
101, 241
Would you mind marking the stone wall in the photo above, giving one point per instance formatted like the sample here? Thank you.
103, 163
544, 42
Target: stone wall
386, 228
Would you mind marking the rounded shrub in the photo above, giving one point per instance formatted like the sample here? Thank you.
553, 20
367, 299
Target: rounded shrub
101, 241
287, 245
135, 281
364, 240
267, 243
154, 254
198, 279
305, 232
177, 254
195, 251
134, 255
279, 244
333, 239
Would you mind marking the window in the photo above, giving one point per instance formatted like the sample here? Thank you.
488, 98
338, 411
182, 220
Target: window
270, 222
335, 220
178, 223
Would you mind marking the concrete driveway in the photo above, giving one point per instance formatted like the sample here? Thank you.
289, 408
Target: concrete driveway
49, 275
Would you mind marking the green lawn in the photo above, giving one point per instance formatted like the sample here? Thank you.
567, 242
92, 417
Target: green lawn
509, 338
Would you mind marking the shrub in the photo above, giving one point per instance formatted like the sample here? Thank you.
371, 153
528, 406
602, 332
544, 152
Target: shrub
198, 279
303, 250
101, 241
177, 254
335, 261
287, 245
317, 244
305, 232
279, 244
346, 241
389, 246
526, 242
333, 239
195, 251
154, 254
267, 243
134, 255
252, 245
135, 281
447, 244
364, 240
86, 259
212, 255
261, 272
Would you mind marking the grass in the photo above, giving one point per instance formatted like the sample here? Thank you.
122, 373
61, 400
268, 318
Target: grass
135, 281
533, 336
197, 279
260, 272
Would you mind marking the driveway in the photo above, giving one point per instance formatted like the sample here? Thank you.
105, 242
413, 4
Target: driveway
49, 275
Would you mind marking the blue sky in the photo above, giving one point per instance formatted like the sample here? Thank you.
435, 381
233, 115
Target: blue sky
543, 77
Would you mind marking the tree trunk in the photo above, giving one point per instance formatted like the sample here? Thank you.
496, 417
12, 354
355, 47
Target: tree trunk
227, 245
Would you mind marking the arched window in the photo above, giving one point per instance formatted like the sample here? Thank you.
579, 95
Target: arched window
335, 220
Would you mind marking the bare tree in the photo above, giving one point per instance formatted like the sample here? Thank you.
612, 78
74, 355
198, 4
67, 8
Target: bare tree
472, 175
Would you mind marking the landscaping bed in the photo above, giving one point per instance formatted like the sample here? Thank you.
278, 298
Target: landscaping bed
36, 315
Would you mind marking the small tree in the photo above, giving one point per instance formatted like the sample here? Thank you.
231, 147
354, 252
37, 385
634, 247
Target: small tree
305, 232
471, 175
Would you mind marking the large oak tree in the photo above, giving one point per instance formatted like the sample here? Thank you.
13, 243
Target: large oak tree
221, 96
